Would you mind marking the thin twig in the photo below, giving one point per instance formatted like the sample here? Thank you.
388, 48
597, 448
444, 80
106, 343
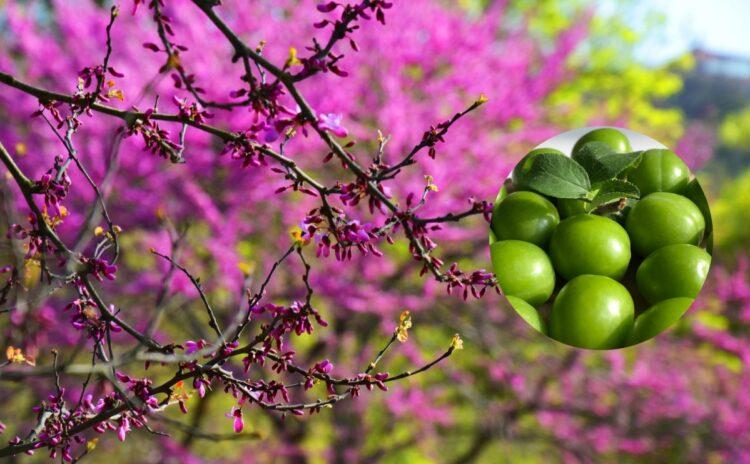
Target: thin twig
212, 322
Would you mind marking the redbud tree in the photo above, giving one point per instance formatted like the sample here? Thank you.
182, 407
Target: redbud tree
212, 163
252, 203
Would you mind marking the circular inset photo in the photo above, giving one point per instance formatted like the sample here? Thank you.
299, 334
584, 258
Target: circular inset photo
601, 238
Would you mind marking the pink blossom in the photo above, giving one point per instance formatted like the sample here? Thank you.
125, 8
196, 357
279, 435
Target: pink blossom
332, 123
192, 347
236, 416
123, 428
324, 366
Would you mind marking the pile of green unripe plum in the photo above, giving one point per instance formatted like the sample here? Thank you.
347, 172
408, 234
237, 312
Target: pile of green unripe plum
604, 248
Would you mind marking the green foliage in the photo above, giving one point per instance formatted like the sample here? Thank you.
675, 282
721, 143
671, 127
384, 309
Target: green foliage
602, 163
558, 176
607, 82
547, 18
613, 190
571, 178
731, 233
734, 130
610, 85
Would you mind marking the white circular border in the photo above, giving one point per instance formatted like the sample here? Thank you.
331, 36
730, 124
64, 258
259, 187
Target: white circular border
565, 141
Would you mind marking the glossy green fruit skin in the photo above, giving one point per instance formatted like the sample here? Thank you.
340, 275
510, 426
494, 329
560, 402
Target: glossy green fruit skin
658, 318
522, 168
590, 244
501, 194
570, 207
673, 271
662, 219
523, 270
525, 216
592, 312
612, 137
694, 192
660, 171
528, 313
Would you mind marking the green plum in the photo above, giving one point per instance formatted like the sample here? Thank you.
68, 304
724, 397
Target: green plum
523, 270
694, 192
658, 318
590, 244
571, 206
615, 139
525, 216
673, 271
501, 195
660, 171
592, 311
518, 176
662, 219
528, 313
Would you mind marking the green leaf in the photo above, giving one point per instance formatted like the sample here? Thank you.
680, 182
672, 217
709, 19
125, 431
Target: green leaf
613, 190
557, 176
602, 163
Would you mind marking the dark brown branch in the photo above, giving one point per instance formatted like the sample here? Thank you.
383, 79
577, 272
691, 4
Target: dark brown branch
257, 297
309, 115
428, 140
450, 217
173, 61
27, 189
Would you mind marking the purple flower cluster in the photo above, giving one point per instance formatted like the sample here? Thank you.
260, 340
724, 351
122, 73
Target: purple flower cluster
36, 243
84, 316
229, 227
56, 418
141, 389
155, 138
99, 268
54, 185
293, 319
191, 111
